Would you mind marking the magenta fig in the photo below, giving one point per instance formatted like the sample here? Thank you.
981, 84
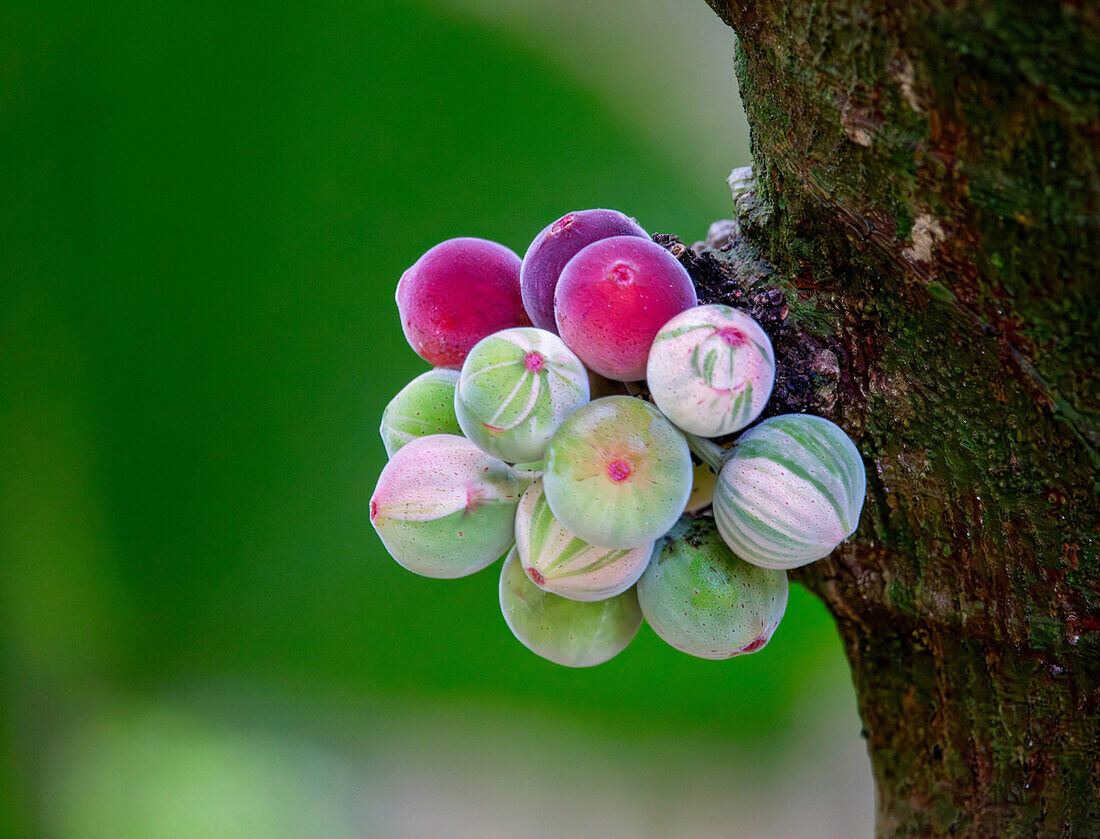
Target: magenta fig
555, 245
457, 293
612, 298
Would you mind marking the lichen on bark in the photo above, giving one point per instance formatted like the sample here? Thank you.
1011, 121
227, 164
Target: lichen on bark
926, 207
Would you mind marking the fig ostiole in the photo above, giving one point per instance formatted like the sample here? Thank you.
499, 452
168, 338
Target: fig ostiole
559, 561
515, 388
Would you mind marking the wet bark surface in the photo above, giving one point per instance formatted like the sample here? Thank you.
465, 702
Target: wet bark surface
921, 236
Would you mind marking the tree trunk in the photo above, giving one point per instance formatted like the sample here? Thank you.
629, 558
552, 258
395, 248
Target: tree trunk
927, 203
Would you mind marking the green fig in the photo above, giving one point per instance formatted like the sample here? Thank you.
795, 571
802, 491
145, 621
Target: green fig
706, 602
424, 406
559, 561
617, 473
568, 632
444, 508
515, 389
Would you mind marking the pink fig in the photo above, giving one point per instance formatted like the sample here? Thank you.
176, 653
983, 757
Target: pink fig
612, 298
457, 293
555, 245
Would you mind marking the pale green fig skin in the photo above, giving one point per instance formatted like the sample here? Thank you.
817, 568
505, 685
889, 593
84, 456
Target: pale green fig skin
425, 406
628, 439
711, 370
516, 387
443, 508
559, 561
790, 491
701, 599
703, 480
567, 632
530, 471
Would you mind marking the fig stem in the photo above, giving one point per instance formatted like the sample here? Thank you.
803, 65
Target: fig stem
707, 451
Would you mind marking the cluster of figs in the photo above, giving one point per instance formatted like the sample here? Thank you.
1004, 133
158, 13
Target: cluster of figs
557, 428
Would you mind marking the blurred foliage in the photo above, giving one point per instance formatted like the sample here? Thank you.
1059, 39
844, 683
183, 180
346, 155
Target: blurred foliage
206, 210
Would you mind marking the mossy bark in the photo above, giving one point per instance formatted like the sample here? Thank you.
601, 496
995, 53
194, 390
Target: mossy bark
927, 199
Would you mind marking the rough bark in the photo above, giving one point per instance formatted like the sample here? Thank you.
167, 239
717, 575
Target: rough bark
926, 202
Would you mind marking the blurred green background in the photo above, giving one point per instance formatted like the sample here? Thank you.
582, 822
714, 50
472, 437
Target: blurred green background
206, 208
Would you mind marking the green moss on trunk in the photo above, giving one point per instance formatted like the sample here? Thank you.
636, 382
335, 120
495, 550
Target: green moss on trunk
928, 190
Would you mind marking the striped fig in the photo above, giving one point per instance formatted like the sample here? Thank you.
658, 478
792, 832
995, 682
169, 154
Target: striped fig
703, 600
424, 406
444, 508
617, 473
711, 370
559, 561
790, 491
515, 389
568, 632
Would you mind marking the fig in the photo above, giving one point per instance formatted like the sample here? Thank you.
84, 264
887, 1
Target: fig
617, 473
703, 480
424, 406
791, 489
457, 293
612, 298
711, 370
444, 508
703, 600
555, 245
559, 561
568, 632
516, 387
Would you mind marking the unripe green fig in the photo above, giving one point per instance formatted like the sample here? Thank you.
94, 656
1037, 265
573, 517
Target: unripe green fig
790, 491
711, 370
515, 389
559, 561
444, 508
569, 632
424, 406
617, 473
703, 600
